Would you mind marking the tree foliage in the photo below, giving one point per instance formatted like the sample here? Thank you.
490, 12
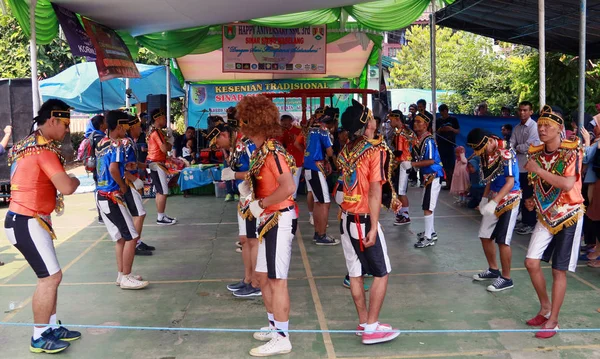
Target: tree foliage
475, 70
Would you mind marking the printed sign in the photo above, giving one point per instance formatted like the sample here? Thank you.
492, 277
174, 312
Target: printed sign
213, 99
262, 49
78, 39
113, 59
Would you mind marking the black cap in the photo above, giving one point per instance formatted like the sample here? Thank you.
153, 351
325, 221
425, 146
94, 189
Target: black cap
115, 118
355, 117
477, 139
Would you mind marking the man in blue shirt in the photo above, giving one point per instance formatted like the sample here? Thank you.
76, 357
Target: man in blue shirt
110, 166
319, 148
428, 161
499, 205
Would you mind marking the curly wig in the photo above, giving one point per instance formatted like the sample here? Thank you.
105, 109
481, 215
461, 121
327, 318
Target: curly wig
258, 116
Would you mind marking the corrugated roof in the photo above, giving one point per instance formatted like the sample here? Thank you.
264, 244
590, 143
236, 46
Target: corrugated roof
516, 21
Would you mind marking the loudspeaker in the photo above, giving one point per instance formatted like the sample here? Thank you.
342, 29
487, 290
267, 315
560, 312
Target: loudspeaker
16, 110
156, 101
381, 104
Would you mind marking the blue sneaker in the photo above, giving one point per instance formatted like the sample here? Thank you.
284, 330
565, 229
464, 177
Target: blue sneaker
346, 283
247, 292
326, 240
65, 334
488, 274
500, 284
48, 343
236, 286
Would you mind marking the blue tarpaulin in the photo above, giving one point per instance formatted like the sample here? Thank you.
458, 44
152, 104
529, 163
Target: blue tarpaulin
79, 86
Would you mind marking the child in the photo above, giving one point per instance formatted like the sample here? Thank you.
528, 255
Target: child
477, 188
460, 178
188, 151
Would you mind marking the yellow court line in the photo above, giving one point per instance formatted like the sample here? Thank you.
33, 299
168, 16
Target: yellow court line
315, 296
483, 353
10, 315
224, 280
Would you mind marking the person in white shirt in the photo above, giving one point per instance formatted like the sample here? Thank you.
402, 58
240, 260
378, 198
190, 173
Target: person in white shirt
525, 134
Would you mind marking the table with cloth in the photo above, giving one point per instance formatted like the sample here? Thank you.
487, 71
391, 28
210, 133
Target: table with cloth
198, 176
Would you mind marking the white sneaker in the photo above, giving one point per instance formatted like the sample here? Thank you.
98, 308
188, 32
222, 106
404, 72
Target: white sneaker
129, 282
311, 221
120, 275
276, 346
265, 334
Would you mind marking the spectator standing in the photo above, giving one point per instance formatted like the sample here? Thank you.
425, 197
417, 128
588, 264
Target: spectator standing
447, 129
524, 135
507, 132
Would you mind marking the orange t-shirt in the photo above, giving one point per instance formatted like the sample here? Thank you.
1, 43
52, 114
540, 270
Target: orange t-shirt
403, 144
371, 168
32, 191
155, 154
267, 181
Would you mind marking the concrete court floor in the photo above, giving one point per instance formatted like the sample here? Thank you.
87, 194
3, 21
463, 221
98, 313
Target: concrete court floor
428, 289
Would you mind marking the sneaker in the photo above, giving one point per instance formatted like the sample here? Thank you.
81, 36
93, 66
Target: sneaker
48, 343
360, 329
236, 286
166, 221
401, 220
228, 198
500, 284
236, 197
421, 235
525, 230
238, 250
238, 244
129, 282
146, 247
100, 220
278, 345
518, 226
380, 335
142, 252
311, 220
425, 242
326, 240
346, 283
120, 276
265, 334
65, 334
488, 274
247, 292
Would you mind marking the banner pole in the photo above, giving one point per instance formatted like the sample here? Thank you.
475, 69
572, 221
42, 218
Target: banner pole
168, 109
35, 96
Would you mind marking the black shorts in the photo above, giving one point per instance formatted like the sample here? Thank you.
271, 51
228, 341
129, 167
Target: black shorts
360, 261
158, 175
117, 218
317, 184
133, 200
562, 247
33, 241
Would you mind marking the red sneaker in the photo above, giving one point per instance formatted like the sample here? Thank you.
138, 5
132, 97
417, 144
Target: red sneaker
548, 334
380, 335
538, 320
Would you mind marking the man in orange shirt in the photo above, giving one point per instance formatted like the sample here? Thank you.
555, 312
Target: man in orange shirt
157, 156
365, 165
37, 173
271, 186
555, 173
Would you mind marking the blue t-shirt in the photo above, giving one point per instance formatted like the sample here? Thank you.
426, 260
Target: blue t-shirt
430, 152
130, 150
109, 151
511, 167
243, 151
317, 143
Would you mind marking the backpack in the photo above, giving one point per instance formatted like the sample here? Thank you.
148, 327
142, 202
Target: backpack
87, 154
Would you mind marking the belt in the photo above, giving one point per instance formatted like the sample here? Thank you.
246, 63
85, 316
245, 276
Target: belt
114, 196
290, 208
358, 219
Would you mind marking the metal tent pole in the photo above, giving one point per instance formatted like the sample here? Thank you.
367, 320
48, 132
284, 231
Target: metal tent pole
168, 109
582, 60
127, 99
35, 95
433, 66
542, 51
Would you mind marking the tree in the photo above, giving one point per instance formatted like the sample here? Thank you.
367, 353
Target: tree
466, 65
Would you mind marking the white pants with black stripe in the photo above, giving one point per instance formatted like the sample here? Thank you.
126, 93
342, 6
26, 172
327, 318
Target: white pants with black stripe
117, 219
403, 169
135, 203
562, 248
297, 176
275, 249
431, 193
34, 242
500, 229
359, 259
317, 184
158, 174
